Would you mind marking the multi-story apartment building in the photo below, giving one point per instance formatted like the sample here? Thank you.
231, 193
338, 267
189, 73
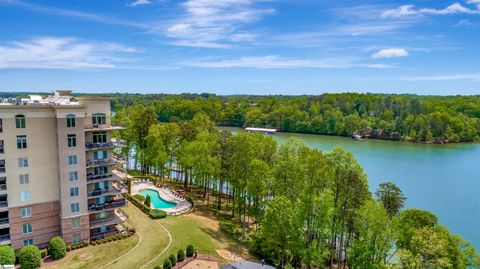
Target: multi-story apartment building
57, 170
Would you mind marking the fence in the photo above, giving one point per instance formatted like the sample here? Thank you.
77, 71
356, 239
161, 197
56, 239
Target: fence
200, 255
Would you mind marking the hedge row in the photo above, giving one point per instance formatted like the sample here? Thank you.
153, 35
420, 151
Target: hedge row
153, 213
112, 238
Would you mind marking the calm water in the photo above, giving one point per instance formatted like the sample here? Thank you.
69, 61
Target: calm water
156, 200
444, 179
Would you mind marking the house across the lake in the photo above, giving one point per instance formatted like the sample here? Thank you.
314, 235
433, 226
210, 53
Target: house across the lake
261, 130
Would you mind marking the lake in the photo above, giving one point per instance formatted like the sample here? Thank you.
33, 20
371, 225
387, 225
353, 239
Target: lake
444, 179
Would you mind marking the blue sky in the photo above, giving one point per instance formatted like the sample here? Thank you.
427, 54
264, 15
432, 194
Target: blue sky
241, 46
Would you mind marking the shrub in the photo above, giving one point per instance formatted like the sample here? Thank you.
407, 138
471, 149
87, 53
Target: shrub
139, 197
172, 259
57, 248
190, 251
157, 267
157, 214
43, 253
147, 201
7, 255
181, 255
30, 257
167, 264
131, 230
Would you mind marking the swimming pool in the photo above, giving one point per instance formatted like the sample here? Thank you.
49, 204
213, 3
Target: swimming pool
157, 201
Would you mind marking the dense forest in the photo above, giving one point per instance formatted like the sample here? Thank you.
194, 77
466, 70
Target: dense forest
294, 206
424, 119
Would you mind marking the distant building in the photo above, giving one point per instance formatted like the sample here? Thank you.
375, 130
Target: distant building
57, 172
247, 265
261, 130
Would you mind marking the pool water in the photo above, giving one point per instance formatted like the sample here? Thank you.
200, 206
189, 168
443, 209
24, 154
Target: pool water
157, 201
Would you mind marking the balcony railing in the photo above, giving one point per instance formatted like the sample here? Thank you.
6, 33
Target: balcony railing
95, 236
117, 203
3, 187
101, 163
3, 204
3, 221
99, 127
102, 192
93, 177
114, 143
5, 237
116, 219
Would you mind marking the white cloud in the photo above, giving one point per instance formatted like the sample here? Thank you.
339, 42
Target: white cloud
277, 62
215, 23
449, 77
409, 10
465, 23
390, 53
138, 3
60, 53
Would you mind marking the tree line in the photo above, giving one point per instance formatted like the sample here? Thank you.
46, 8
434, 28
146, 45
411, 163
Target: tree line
425, 119
295, 206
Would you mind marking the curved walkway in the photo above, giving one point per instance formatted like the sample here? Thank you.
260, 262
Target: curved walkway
121, 257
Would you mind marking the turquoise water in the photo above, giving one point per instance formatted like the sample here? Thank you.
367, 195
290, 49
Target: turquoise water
156, 200
444, 179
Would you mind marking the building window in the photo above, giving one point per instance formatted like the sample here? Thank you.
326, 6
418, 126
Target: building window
24, 179
25, 196
26, 212
2, 166
74, 192
27, 228
23, 162
1, 125
75, 207
21, 141
76, 239
27, 242
100, 155
20, 121
70, 121
75, 223
73, 175
99, 119
99, 137
2, 148
100, 170
72, 159
72, 140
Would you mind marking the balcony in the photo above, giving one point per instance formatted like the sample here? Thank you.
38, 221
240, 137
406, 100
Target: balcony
4, 223
3, 206
102, 192
3, 188
105, 162
92, 178
95, 236
114, 143
116, 219
117, 203
104, 127
4, 239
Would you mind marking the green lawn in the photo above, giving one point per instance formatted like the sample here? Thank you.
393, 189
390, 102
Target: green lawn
153, 238
197, 228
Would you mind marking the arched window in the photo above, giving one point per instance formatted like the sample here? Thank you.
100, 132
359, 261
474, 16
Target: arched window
20, 121
70, 121
99, 119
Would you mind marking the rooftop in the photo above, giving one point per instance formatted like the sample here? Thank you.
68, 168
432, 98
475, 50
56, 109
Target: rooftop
59, 98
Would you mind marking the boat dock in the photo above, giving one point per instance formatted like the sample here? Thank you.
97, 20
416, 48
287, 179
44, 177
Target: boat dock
261, 130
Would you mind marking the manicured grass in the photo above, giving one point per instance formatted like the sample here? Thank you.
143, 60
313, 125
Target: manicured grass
198, 228
153, 239
201, 230
94, 256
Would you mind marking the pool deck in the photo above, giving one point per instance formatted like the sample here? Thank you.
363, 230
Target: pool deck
182, 206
